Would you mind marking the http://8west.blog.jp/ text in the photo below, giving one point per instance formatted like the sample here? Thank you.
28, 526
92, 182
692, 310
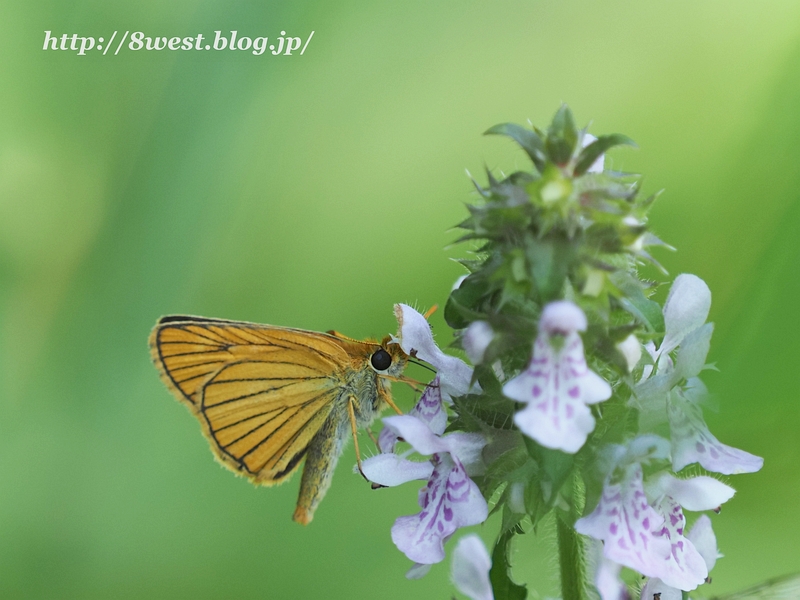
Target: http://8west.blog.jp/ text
282, 45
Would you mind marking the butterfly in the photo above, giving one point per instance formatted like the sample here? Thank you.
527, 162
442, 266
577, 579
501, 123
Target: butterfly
267, 396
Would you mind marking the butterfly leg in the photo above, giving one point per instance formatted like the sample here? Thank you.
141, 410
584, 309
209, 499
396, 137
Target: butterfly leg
353, 426
391, 403
373, 438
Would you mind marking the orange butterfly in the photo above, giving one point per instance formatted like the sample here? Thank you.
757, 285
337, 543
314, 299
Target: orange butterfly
268, 396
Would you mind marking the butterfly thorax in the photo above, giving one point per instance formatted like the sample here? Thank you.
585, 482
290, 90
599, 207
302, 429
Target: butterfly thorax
368, 386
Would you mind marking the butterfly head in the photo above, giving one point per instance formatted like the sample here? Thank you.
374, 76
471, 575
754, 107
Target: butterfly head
388, 359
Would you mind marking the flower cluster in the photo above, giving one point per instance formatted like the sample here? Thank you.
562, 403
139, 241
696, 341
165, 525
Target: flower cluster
583, 399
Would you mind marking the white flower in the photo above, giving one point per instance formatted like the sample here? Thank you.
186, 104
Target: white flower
685, 312
557, 385
624, 521
597, 165
631, 349
416, 339
449, 500
476, 339
647, 536
702, 536
606, 577
705, 542
693, 442
470, 568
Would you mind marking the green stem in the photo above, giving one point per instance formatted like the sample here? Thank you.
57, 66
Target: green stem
570, 558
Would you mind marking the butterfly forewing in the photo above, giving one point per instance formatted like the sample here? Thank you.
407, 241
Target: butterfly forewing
260, 392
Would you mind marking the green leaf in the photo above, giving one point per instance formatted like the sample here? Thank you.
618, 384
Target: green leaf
635, 302
550, 260
503, 586
562, 137
480, 412
591, 152
512, 465
529, 140
459, 311
554, 469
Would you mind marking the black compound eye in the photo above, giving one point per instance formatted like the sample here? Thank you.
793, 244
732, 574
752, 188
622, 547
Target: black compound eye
381, 360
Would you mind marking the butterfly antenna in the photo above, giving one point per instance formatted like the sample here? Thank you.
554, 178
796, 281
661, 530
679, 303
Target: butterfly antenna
424, 366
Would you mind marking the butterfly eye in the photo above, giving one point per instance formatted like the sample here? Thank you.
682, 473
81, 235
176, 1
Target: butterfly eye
381, 360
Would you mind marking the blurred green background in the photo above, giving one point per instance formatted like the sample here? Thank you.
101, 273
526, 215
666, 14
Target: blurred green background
315, 191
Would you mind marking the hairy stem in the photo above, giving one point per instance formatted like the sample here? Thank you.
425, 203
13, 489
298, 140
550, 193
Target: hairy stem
570, 558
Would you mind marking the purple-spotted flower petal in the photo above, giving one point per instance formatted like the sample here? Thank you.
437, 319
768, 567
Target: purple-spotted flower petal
449, 500
625, 521
470, 568
466, 447
703, 540
557, 385
416, 339
428, 409
390, 469
685, 569
693, 442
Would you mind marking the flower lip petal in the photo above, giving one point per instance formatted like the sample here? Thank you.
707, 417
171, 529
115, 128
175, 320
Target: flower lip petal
696, 494
416, 433
389, 469
693, 442
470, 568
449, 500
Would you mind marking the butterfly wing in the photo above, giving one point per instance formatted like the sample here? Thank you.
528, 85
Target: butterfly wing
261, 393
